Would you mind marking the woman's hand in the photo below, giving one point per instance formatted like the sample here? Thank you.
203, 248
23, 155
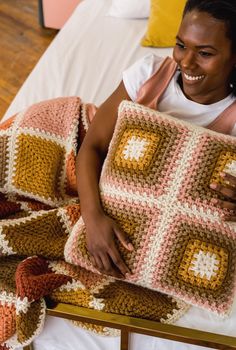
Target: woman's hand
104, 254
229, 192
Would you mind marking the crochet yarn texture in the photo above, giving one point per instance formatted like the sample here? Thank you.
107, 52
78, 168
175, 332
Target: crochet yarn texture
156, 184
38, 209
39, 147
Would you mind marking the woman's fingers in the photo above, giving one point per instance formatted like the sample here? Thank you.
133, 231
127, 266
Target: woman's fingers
93, 261
104, 264
118, 261
229, 192
225, 204
230, 178
230, 218
108, 268
115, 255
124, 240
97, 262
104, 253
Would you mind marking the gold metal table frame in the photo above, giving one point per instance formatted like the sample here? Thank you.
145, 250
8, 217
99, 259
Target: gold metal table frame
128, 325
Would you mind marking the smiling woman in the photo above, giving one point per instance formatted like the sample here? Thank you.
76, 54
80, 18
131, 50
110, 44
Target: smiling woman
44, 139
199, 91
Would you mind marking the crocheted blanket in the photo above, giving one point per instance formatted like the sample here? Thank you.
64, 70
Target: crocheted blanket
38, 210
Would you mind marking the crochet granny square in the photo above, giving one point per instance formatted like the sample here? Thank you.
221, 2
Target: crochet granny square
155, 183
36, 149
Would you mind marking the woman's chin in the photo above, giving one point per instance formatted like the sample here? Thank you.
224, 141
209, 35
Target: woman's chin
194, 92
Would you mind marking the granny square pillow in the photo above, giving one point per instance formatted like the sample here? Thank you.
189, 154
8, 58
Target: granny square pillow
155, 183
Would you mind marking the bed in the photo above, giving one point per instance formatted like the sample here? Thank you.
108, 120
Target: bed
86, 59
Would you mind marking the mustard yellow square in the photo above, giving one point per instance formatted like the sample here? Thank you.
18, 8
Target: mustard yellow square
204, 264
38, 166
136, 149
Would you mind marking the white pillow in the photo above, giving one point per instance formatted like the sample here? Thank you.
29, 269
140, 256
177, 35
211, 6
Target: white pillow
129, 8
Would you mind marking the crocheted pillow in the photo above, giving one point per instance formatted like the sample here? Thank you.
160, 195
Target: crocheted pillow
155, 184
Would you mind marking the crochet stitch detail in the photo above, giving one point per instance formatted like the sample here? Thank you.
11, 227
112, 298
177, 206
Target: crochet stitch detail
37, 218
155, 184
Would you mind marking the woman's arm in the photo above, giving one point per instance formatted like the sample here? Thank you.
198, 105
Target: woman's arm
100, 229
229, 192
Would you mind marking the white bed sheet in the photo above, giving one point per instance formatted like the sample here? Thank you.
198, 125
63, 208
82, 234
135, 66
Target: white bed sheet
87, 59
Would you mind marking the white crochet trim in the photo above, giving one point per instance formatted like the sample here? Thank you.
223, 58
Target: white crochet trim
24, 206
84, 117
106, 331
42, 134
25, 219
4, 244
58, 269
74, 285
63, 217
111, 332
10, 299
97, 304
176, 313
105, 282
131, 197
22, 305
7, 299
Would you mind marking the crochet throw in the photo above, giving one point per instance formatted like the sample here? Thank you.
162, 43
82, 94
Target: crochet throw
39, 210
156, 184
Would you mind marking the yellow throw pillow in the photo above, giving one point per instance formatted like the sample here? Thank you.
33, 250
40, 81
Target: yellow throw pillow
163, 24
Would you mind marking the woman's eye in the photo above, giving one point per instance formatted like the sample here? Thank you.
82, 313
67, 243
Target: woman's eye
180, 46
205, 54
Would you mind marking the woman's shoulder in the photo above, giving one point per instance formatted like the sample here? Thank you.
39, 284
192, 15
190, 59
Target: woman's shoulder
145, 66
150, 62
136, 75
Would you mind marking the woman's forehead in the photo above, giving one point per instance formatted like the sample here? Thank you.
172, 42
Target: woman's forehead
201, 26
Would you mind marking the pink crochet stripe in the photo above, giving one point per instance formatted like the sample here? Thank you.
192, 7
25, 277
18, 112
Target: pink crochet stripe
156, 184
59, 112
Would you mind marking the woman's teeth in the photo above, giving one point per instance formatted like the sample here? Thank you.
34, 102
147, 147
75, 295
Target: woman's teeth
193, 77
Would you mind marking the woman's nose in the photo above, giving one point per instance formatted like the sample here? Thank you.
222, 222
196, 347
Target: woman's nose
188, 60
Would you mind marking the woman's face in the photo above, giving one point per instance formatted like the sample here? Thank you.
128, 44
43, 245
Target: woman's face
204, 55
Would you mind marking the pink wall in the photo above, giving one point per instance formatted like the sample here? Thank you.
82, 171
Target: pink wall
56, 12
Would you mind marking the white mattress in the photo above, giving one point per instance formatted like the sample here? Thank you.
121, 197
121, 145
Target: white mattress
87, 59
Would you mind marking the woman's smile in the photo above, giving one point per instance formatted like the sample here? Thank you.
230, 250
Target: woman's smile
192, 78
